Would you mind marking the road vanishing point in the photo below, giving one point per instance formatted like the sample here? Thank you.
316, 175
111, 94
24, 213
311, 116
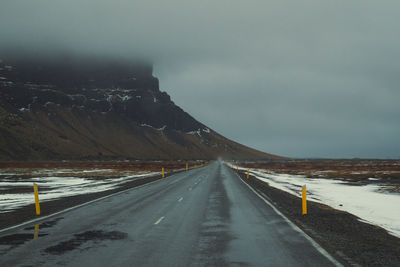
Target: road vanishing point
203, 217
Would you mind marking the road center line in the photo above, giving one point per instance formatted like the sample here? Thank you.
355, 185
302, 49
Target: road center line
190, 189
179, 200
159, 220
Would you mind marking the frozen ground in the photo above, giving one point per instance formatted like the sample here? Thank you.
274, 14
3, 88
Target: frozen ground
16, 192
372, 202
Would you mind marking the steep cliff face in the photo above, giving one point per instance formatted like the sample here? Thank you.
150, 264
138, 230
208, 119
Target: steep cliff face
98, 109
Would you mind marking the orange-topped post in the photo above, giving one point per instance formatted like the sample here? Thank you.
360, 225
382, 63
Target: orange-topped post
304, 200
37, 205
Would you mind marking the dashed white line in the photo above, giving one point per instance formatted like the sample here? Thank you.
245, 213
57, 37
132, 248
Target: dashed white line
179, 200
77, 206
159, 220
190, 189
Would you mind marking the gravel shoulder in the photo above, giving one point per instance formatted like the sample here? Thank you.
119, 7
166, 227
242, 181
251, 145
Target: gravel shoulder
342, 234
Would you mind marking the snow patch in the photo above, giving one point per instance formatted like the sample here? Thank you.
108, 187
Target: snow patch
51, 188
48, 103
371, 202
158, 129
198, 132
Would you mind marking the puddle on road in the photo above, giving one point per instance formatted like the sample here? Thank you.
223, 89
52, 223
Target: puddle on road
46, 224
36, 232
15, 239
10, 242
80, 239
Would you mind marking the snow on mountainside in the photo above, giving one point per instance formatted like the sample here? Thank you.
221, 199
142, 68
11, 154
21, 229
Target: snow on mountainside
90, 109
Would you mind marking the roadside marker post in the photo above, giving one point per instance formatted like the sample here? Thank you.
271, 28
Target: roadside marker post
37, 205
163, 174
237, 169
187, 166
304, 200
248, 174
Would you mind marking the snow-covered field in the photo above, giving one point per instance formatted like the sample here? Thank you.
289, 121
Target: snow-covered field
17, 192
372, 202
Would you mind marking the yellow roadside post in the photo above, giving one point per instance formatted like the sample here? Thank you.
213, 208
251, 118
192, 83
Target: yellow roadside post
36, 191
304, 200
163, 174
187, 166
248, 174
237, 168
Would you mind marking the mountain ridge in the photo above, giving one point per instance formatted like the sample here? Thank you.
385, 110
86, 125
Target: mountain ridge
99, 109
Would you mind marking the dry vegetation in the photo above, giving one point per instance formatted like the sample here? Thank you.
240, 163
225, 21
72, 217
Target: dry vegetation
355, 170
90, 169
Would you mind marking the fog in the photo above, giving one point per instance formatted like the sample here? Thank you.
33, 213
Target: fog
294, 78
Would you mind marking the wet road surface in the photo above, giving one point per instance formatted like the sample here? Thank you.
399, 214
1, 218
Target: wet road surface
203, 217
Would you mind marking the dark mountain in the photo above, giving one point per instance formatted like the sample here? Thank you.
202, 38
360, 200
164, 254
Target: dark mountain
69, 108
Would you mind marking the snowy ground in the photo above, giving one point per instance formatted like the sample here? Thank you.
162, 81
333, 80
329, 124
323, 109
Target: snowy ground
16, 192
372, 202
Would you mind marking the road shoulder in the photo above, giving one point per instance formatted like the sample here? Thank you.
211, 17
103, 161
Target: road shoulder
343, 235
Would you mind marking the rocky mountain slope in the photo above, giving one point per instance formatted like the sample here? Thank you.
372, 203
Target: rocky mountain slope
99, 109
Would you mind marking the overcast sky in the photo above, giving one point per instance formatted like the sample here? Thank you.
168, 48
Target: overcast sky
294, 78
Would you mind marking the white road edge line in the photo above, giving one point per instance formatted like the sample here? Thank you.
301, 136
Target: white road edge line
295, 227
159, 220
74, 207
179, 200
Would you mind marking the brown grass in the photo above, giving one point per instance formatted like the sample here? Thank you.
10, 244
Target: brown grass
98, 169
356, 170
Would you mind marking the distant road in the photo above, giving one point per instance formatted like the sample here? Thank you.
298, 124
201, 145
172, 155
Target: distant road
204, 217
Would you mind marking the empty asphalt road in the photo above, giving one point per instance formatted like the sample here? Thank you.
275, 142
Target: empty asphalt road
203, 217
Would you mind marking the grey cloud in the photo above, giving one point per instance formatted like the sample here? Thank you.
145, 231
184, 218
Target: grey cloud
297, 78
